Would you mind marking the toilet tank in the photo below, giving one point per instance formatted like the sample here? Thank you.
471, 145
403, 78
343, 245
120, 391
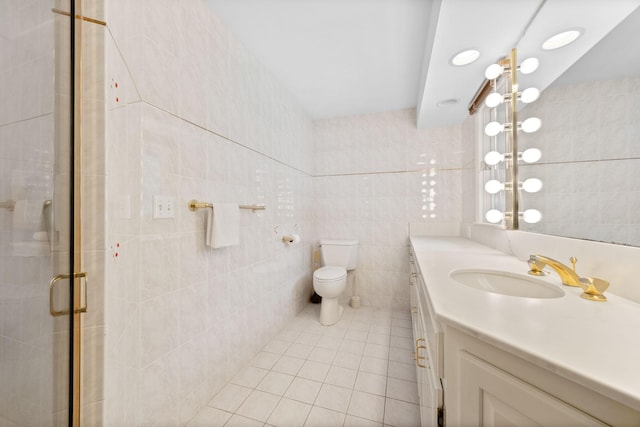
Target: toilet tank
340, 253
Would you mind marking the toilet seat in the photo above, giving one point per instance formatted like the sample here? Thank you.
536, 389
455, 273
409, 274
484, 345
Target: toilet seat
330, 274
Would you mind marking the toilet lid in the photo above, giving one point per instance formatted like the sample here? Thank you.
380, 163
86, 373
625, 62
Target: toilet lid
330, 273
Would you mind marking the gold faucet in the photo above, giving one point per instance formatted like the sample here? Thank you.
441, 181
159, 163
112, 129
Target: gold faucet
592, 287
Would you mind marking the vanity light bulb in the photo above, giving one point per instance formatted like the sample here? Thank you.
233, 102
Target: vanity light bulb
531, 125
529, 65
492, 158
494, 216
493, 71
494, 186
532, 185
493, 128
531, 216
529, 95
531, 155
494, 99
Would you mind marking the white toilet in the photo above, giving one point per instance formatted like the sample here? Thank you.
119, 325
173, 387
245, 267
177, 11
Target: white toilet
337, 257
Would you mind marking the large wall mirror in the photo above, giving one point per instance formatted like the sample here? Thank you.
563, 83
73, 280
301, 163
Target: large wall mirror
590, 140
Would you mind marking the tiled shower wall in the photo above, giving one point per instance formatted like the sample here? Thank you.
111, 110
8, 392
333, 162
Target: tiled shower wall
590, 161
192, 115
375, 174
29, 361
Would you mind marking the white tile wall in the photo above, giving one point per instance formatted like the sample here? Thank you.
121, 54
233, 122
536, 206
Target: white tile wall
197, 117
374, 174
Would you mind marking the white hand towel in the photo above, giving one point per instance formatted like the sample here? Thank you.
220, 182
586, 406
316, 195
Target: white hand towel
223, 225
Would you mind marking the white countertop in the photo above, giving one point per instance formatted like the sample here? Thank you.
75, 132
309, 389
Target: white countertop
595, 344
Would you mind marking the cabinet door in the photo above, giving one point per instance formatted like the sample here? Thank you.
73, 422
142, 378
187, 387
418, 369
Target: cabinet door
491, 397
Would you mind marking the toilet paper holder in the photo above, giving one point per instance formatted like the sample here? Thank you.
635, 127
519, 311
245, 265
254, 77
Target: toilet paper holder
290, 239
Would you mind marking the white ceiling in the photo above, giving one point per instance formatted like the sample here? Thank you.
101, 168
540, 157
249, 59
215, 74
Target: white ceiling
345, 57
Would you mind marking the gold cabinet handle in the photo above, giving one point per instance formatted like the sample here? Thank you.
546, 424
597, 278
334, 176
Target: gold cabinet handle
418, 348
52, 284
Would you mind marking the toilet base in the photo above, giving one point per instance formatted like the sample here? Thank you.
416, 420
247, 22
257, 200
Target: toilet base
330, 311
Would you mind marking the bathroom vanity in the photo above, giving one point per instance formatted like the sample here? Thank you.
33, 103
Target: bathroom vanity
485, 355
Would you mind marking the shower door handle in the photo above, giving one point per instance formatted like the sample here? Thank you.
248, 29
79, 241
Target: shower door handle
52, 284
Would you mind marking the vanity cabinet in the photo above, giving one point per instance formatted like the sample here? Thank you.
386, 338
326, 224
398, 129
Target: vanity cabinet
428, 349
465, 378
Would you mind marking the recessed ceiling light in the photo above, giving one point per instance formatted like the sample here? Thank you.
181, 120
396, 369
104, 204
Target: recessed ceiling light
445, 103
561, 39
465, 57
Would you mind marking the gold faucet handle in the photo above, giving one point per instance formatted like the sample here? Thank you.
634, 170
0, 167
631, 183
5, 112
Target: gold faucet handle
594, 288
535, 268
573, 261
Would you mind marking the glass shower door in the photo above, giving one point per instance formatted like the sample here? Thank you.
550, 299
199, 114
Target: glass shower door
36, 215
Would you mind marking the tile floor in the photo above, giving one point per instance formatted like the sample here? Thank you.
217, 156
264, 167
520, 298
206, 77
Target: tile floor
358, 372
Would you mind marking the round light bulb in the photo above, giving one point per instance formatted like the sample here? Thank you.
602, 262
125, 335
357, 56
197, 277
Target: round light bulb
494, 216
529, 95
492, 158
531, 125
493, 128
529, 65
531, 216
532, 185
493, 71
531, 155
494, 99
494, 186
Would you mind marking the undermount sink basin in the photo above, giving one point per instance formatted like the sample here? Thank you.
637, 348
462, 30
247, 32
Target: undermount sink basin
502, 282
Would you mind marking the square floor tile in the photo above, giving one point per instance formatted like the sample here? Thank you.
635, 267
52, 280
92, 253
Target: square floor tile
276, 346
351, 421
403, 371
288, 365
298, 350
354, 347
289, 413
374, 365
356, 335
240, 421
401, 355
308, 339
249, 377
259, 405
230, 397
303, 390
275, 383
402, 342
359, 325
265, 360
335, 331
321, 417
322, 355
210, 417
347, 360
371, 383
401, 414
332, 343
399, 331
402, 390
366, 405
314, 370
333, 397
382, 339
342, 377
376, 350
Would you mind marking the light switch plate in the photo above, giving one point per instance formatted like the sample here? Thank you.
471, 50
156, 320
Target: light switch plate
164, 207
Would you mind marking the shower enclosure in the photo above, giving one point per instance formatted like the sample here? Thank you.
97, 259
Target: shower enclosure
42, 289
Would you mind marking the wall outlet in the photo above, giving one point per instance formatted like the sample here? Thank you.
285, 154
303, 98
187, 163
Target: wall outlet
164, 207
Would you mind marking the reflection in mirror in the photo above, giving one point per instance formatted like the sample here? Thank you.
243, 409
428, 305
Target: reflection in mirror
591, 144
